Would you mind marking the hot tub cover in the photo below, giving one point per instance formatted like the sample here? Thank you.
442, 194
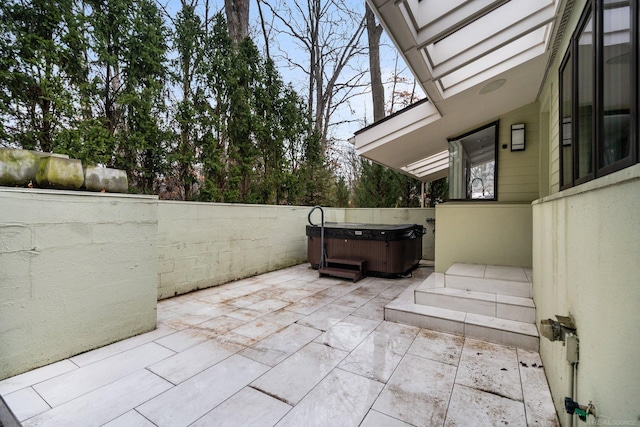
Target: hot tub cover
354, 231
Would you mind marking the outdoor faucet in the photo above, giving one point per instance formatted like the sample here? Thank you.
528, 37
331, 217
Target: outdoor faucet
481, 183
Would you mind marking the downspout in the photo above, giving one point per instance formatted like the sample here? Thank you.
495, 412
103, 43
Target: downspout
572, 395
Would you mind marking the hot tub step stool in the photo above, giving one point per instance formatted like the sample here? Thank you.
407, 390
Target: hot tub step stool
348, 268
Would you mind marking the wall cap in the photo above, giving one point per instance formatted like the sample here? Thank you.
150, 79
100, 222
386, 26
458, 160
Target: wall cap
630, 174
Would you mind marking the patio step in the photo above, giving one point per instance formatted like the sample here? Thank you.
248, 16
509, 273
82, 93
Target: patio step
501, 331
491, 303
504, 280
484, 303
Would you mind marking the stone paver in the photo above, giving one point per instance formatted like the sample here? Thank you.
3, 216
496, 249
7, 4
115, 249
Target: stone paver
287, 348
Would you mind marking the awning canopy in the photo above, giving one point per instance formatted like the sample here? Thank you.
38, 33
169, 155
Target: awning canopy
475, 59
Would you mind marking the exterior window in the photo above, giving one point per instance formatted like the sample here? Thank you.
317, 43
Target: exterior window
566, 103
616, 76
584, 112
598, 94
473, 165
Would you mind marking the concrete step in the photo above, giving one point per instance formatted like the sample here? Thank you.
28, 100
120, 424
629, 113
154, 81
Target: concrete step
484, 303
501, 331
513, 281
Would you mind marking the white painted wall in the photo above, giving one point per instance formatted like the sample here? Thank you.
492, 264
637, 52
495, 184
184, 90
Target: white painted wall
206, 244
80, 270
586, 252
586, 247
483, 233
77, 271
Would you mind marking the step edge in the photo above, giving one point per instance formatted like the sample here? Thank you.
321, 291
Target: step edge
459, 316
528, 325
474, 295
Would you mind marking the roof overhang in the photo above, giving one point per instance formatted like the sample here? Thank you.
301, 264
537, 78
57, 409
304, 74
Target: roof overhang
475, 59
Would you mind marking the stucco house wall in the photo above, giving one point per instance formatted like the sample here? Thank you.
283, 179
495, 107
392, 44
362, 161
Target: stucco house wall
586, 247
489, 232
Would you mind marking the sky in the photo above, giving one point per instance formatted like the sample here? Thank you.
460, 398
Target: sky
360, 107
353, 116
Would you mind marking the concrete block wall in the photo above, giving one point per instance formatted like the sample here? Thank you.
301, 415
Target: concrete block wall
207, 244
77, 271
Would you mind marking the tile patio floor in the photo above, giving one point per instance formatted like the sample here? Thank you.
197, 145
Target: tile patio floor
289, 349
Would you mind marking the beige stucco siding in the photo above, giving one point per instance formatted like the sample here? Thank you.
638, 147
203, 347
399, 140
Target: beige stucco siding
586, 247
483, 233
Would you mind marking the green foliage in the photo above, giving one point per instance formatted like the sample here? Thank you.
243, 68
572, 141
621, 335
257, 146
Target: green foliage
35, 46
381, 187
88, 140
437, 192
187, 113
342, 195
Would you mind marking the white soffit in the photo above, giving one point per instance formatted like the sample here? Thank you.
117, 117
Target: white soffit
457, 49
464, 39
396, 126
429, 165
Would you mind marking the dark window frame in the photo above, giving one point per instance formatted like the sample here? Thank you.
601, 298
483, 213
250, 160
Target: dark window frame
595, 9
575, 111
496, 125
567, 61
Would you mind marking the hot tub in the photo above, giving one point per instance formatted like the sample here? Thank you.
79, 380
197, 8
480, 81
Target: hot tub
389, 249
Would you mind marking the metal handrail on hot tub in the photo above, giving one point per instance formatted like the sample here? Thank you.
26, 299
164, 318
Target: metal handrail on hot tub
323, 255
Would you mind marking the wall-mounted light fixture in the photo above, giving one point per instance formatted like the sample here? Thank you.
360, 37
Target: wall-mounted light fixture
517, 137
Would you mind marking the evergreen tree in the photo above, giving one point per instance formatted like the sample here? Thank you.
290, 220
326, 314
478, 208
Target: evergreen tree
437, 192
90, 79
142, 142
37, 54
191, 109
341, 195
381, 187
241, 123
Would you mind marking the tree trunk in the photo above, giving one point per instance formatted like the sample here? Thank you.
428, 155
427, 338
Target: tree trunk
264, 32
237, 12
374, 31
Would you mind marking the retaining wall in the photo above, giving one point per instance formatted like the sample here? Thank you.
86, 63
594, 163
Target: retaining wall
78, 271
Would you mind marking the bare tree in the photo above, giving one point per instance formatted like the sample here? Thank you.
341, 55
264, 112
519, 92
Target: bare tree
322, 39
374, 31
237, 12
265, 32
401, 97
